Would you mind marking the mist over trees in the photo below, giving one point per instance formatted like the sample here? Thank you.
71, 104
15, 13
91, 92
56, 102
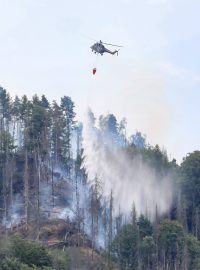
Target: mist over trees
43, 177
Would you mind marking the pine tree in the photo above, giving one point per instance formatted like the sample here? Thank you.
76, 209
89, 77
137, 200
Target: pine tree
67, 106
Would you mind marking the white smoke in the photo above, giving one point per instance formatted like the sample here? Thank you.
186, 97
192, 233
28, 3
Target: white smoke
131, 180
14, 216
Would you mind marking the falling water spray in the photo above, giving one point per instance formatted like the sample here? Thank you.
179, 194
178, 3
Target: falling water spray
130, 179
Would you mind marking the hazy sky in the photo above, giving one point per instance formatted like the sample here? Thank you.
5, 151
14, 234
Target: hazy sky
154, 82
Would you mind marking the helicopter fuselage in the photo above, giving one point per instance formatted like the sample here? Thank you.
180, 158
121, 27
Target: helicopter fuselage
101, 49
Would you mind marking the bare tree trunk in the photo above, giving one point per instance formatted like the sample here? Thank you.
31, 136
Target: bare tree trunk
6, 186
11, 189
78, 218
5, 197
110, 233
110, 227
26, 188
38, 195
37, 183
92, 219
52, 184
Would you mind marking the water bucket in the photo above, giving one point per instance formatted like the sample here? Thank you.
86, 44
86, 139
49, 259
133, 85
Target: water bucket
94, 71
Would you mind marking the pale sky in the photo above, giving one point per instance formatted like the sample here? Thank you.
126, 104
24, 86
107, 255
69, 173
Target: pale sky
154, 82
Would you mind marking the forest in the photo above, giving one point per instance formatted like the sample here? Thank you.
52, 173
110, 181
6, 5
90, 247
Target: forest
84, 196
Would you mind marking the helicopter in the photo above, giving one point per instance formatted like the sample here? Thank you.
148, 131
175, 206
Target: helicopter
99, 48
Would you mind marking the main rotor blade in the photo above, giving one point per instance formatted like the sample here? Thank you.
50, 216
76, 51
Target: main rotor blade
88, 37
112, 44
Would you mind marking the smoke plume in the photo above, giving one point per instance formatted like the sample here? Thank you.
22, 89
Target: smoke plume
130, 179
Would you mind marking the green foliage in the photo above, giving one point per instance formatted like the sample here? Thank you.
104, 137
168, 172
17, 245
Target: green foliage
10, 264
155, 158
45, 136
171, 240
174, 248
60, 259
148, 252
109, 127
30, 253
125, 246
190, 171
6, 145
68, 107
44, 102
193, 249
144, 226
26, 267
138, 140
58, 131
16, 253
39, 120
5, 104
16, 107
25, 109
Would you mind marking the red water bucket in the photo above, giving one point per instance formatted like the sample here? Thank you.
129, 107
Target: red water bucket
94, 71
